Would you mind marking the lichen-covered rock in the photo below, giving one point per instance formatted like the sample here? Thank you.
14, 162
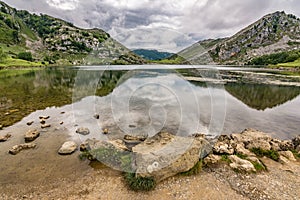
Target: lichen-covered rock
212, 159
18, 148
165, 155
31, 135
275, 144
241, 164
296, 141
240, 149
67, 148
83, 131
286, 145
223, 148
261, 144
288, 154
249, 135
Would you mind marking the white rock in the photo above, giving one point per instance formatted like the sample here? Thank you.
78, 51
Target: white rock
241, 164
288, 154
67, 148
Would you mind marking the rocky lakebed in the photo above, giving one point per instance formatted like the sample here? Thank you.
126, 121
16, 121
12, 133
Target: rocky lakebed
39, 160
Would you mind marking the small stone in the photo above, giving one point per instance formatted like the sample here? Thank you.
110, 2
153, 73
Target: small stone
5, 137
83, 131
135, 138
31, 135
1, 127
61, 123
105, 131
67, 148
283, 160
44, 117
62, 112
18, 148
42, 121
46, 126
288, 154
83, 146
30, 123
96, 116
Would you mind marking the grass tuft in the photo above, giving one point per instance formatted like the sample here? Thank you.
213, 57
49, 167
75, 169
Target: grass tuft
138, 183
268, 153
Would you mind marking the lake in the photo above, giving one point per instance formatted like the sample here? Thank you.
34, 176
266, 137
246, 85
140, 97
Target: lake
148, 99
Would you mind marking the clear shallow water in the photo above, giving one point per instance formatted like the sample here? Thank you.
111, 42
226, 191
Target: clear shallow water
146, 101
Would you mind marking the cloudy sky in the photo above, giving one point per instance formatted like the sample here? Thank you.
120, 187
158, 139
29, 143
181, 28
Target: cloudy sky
168, 25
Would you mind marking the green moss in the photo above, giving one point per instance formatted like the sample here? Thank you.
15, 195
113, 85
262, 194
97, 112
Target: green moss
225, 158
138, 183
268, 153
194, 170
259, 167
242, 156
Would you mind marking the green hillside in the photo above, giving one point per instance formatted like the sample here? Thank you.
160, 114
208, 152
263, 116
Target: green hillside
51, 41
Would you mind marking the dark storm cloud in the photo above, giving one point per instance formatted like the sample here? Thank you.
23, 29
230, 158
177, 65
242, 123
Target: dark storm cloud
132, 21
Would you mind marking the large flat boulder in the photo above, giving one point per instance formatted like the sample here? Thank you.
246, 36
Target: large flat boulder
166, 155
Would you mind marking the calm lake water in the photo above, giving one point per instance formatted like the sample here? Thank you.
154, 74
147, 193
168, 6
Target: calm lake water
149, 99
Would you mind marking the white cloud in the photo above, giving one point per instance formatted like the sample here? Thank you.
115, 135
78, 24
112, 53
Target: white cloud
193, 19
63, 4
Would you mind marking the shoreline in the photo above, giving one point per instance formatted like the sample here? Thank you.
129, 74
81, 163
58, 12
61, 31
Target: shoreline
41, 173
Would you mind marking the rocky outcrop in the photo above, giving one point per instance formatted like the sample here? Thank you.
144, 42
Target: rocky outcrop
165, 155
83, 131
31, 135
67, 148
5, 137
18, 148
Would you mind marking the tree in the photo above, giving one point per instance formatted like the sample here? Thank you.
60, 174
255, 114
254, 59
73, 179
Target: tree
25, 56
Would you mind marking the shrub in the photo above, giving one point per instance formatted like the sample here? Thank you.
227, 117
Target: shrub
25, 56
138, 183
268, 153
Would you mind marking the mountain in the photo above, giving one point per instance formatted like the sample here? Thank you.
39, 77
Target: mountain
274, 33
54, 41
152, 54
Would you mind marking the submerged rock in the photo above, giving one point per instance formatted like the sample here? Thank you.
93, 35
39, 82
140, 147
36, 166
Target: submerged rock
5, 137
31, 135
67, 148
18, 148
241, 164
105, 131
45, 126
30, 123
165, 155
83, 131
44, 117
